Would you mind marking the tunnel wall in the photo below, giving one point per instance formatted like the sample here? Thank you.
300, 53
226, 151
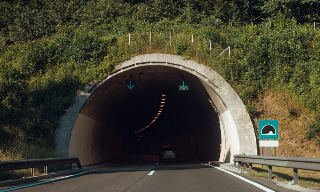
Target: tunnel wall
237, 131
92, 147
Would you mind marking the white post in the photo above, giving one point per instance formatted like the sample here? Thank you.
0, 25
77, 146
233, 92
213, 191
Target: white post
129, 39
150, 38
170, 39
192, 38
314, 26
228, 48
210, 46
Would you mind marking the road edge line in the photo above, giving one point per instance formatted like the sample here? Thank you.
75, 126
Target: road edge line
240, 177
245, 179
151, 172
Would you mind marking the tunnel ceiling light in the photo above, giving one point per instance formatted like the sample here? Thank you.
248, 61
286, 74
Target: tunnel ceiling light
162, 102
213, 106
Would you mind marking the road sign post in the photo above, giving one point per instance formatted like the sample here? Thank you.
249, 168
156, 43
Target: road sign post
268, 135
268, 129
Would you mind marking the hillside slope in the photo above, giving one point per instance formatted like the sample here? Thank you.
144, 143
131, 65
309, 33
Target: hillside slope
50, 49
293, 120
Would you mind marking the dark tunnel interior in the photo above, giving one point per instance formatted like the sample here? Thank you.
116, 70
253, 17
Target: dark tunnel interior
187, 120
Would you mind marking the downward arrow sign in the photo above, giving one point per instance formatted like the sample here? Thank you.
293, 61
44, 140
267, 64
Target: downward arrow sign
130, 86
183, 87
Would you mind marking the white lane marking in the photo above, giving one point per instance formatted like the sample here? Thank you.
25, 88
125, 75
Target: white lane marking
43, 182
244, 179
151, 172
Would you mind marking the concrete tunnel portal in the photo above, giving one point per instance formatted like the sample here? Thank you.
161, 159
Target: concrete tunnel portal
206, 122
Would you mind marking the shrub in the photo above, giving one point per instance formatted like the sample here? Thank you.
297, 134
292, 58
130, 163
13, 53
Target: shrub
251, 109
313, 129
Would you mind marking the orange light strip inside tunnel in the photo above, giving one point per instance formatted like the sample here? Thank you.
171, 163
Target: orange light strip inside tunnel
162, 103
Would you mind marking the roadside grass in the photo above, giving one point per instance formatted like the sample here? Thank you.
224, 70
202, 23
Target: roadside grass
293, 117
306, 178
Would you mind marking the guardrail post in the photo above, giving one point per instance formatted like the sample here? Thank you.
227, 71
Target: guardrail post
295, 176
239, 164
235, 164
244, 166
250, 167
32, 172
45, 169
270, 171
79, 165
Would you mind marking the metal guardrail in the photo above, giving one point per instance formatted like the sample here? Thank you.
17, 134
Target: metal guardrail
287, 162
36, 163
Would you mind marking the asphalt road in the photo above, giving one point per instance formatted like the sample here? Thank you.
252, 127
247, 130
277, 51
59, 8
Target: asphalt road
135, 176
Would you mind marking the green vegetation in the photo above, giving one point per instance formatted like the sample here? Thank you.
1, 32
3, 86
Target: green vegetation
50, 49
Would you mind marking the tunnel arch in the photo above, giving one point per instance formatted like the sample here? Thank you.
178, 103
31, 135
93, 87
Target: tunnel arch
80, 131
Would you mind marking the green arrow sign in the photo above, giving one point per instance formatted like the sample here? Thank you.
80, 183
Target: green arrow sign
184, 86
130, 84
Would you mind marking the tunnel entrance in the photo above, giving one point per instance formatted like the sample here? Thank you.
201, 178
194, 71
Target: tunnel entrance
206, 121
186, 120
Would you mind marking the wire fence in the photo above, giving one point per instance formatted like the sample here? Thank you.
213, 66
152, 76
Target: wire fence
178, 43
